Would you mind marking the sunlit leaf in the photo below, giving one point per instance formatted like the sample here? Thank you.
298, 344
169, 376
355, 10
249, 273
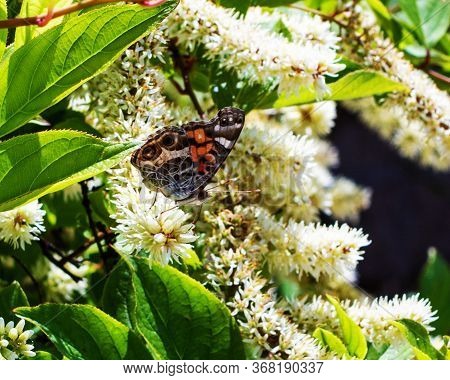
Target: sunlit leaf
357, 84
41, 163
178, 317
351, 333
85, 332
430, 19
55, 63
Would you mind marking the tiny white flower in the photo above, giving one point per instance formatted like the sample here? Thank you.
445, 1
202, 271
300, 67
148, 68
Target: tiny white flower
13, 340
157, 226
21, 225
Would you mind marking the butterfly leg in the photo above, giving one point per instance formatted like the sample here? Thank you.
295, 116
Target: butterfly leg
198, 213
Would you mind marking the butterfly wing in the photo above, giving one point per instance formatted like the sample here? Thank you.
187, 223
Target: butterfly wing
211, 142
180, 161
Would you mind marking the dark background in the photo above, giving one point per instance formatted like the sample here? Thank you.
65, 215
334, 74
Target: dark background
409, 212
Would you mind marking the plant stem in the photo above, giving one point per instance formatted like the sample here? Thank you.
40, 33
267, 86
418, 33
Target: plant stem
42, 20
439, 76
46, 252
78, 251
87, 206
29, 274
184, 70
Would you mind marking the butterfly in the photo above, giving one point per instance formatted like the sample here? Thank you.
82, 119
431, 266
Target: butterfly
181, 161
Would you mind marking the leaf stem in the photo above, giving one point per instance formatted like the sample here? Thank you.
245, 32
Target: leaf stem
43, 19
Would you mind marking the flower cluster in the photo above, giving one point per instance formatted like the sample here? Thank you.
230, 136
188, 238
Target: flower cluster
375, 317
126, 103
255, 52
422, 110
233, 264
312, 249
13, 341
149, 221
21, 225
300, 184
409, 136
278, 179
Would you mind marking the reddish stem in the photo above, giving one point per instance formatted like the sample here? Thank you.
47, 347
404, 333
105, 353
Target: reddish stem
42, 20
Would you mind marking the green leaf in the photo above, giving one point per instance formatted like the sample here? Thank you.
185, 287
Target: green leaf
61, 59
281, 28
379, 9
3, 32
228, 89
325, 6
34, 8
352, 334
386, 21
85, 332
399, 351
444, 349
328, 339
41, 163
178, 317
430, 19
375, 352
272, 3
357, 84
418, 338
11, 297
420, 355
242, 6
434, 284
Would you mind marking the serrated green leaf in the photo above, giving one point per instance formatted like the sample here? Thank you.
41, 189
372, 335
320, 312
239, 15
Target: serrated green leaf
331, 341
418, 338
178, 317
3, 32
357, 84
434, 284
61, 59
41, 163
13, 7
85, 332
430, 19
11, 297
351, 333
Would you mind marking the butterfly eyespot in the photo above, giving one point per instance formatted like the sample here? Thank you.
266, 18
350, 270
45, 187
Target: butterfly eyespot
181, 161
168, 141
149, 152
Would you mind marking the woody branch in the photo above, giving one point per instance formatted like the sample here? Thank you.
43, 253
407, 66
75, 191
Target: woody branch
42, 20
